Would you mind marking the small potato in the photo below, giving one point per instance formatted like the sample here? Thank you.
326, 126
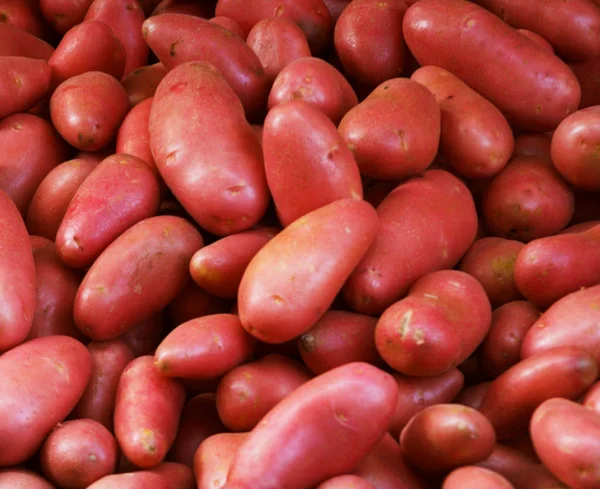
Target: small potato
445, 436
346, 482
508, 462
141, 84
193, 302
214, 457
144, 337
471, 477
23, 83
62, 15
22, 479
15, 41
78, 453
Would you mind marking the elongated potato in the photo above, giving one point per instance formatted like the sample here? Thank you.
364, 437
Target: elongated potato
15, 41
194, 302
133, 137
540, 41
23, 83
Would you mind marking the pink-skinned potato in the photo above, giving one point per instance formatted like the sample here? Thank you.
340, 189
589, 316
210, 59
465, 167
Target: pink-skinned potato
34, 372
194, 302
15, 41
62, 15
307, 163
322, 429
346, 481
23, 83
540, 41
17, 269
26, 15
185, 152
213, 459
204, 348
472, 396
536, 477
508, 461
145, 431
144, 337
225, 22
18, 478
133, 137
472, 477
167, 475
139, 274
120, 192
336, 7
141, 84
313, 257
177, 39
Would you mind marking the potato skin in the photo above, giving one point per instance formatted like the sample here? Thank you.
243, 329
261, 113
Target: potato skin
472, 477
346, 481
26, 15
214, 457
143, 338
16, 478
133, 137
136, 276
194, 302
141, 84
167, 475
472, 396
457, 35
537, 144
15, 41
540, 41
321, 249
23, 83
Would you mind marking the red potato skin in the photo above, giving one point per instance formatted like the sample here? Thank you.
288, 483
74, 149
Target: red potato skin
109, 359
177, 476
446, 436
141, 84
296, 276
17, 269
218, 268
237, 196
565, 436
588, 75
145, 431
277, 42
439, 209
508, 462
573, 28
213, 459
25, 15
62, 15
492, 262
225, 22
475, 138
16, 478
15, 41
527, 200
24, 165
133, 137
177, 39
472, 477
78, 453
125, 17
204, 348
336, 7
456, 35
248, 392
139, 274
592, 398
297, 131
23, 83
193, 302
352, 405
120, 192
144, 337
512, 398
501, 348
35, 371
345, 482
540, 41
167, 475
394, 133
473, 395
537, 145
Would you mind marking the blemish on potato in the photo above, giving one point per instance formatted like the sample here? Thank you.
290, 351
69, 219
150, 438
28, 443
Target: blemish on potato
235, 189
137, 289
17, 126
173, 48
279, 10
100, 288
92, 457
308, 342
277, 299
405, 323
3, 17
308, 79
347, 230
147, 440
403, 143
419, 337
538, 109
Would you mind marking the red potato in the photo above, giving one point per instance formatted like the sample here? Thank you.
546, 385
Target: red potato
473, 395
446, 436
345, 482
508, 462
588, 75
417, 393
307, 163
145, 431
248, 392
78, 453
218, 268
16, 478
177, 39
125, 17
492, 262
540, 41
437, 326
592, 398
225, 22
23, 83
167, 475
15, 41
565, 435
25, 15
439, 209
296, 276
537, 477
133, 137
109, 359
139, 274
214, 457
336, 7
24, 165
501, 348
322, 429
193, 302
394, 133
204, 348
185, 152
513, 397
573, 27
537, 145
144, 337
457, 35
527, 200
312, 16
120, 192
62, 15
475, 138
141, 84
32, 375
472, 477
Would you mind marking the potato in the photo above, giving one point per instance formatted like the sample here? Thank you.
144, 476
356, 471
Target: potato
167, 475
143, 338
445, 436
536, 477
276, 42
513, 397
436, 327
346, 481
306, 162
439, 209
23, 83
62, 15
475, 138
213, 459
501, 348
471, 477
533, 145
573, 27
492, 262
394, 133
336, 8
193, 302
78, 453
508, 462
204, 348
565, 436
339, 337
588, 76
473, 395
472, 43
527, 200
15, 41
295, 277
141, 84
225, 22
25, 15
133, 137
146, 430
109, 359
136, 276
185, 152
540, 41
322, 429
178, 39
248, 392
16, 478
